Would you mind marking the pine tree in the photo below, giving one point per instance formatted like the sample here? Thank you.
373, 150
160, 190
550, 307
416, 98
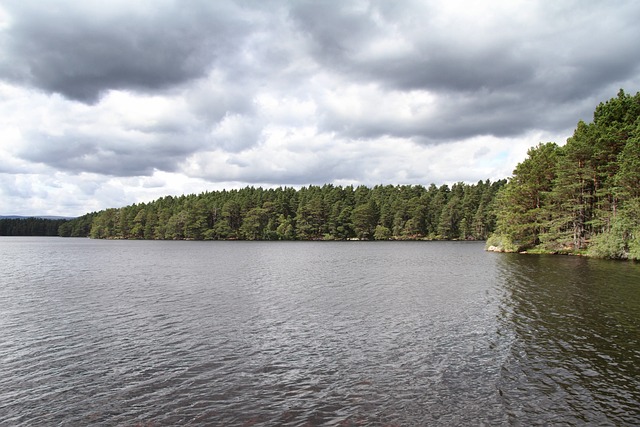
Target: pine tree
522, 211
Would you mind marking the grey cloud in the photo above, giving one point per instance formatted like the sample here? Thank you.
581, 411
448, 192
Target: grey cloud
595, 41
446, 70
83, 51
311, 174
502, 83
154, 183
215, 57
10, 187
77, 153
212, 99
335, 30
325, 167
500, 114
237, 133
339, 34
10, 169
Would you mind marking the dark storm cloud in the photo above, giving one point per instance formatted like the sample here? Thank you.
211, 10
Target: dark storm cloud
82, 49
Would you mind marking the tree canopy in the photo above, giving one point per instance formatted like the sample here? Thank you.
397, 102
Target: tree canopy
580, 197
328, 212
30, 226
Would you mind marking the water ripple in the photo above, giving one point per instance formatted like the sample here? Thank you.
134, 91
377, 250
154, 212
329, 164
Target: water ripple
570, 354
344, 334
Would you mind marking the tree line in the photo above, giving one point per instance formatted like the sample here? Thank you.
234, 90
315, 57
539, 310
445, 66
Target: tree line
328, 212
582, 197
30, 226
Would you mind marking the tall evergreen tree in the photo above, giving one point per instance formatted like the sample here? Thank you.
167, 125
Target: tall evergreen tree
586, 194
522, 216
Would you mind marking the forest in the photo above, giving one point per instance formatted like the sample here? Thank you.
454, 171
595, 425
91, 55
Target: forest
582, 197
328, 212
30, 226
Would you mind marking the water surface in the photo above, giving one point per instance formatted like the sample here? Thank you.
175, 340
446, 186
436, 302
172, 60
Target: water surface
313, 333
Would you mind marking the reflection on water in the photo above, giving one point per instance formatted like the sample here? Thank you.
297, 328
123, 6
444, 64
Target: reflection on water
298, 333
574, 328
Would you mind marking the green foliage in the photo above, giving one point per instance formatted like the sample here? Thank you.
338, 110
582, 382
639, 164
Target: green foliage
501, 243
622, 240
364, 219
609, 244
584, 194
634, 247
311, 213
32, 226
77, 227
522, 216
382, 233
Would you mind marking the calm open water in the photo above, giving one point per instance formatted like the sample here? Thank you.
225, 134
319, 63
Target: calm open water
312, 333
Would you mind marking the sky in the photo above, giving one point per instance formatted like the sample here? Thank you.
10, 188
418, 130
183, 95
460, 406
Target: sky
108, 103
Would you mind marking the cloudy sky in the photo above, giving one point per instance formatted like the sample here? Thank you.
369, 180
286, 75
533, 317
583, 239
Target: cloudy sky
108, 103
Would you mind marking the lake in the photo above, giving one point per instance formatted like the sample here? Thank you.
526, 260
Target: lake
155, 333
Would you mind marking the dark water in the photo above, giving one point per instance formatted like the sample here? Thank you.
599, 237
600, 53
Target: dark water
292, 333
